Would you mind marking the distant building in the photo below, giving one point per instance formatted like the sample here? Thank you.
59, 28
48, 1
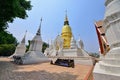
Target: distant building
104, 47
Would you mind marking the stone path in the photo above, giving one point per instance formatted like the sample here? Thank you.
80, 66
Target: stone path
41, 71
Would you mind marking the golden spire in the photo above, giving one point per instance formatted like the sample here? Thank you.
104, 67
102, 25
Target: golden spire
66, 18
66, 22
66, 33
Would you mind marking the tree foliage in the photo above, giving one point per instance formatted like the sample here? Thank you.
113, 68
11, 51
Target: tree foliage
44, 46
10, 9
7, 38
7, 43
28, 46
7, 49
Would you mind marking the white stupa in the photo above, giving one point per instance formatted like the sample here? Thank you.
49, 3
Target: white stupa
35, 55
20, 49
80, 43
81, 46
73, 43
109, 66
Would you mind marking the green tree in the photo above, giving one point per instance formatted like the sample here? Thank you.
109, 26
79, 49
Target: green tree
10, 9
7, 49
7, 43
7, 38
28, 46
44, 46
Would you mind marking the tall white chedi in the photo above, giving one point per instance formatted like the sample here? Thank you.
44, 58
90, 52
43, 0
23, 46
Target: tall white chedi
109, 67
34, 54
20, 49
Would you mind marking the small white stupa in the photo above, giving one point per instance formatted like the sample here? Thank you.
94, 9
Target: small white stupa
80, 43
35, 55
73, 43
20, 49
75, 50
81, 46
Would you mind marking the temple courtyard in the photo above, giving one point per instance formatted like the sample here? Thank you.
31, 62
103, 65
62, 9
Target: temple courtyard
41, 71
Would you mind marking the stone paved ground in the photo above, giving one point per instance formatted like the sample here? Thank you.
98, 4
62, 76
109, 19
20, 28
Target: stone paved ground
41, 71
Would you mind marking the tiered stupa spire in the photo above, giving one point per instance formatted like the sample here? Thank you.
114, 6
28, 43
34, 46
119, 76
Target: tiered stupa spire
39, 29
34, 54
66, 22
20, 49
23, 40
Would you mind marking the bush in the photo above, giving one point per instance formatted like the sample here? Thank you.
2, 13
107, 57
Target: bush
7, 38
7, 49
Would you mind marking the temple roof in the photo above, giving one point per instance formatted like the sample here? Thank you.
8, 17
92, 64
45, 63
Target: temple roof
104, 46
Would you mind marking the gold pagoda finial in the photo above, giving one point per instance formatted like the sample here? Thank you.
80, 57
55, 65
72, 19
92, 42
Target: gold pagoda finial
66, 22
66, 18
39, 29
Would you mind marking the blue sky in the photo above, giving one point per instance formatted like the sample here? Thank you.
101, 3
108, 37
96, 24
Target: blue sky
81, 14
